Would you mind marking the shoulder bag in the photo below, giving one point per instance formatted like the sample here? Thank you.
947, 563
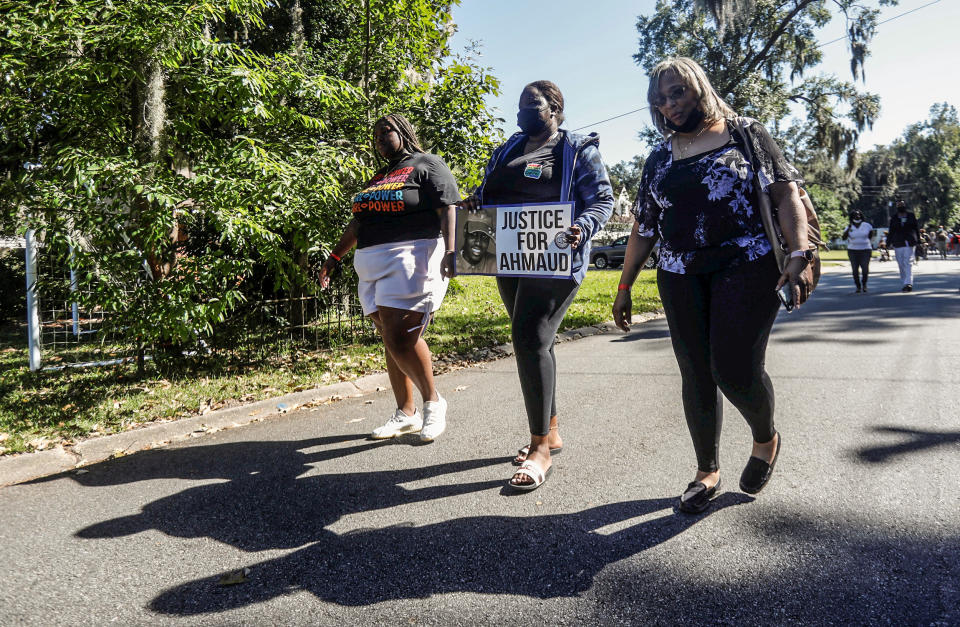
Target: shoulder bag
771, 224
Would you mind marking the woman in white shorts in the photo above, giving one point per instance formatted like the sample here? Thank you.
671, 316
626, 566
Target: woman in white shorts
402, 227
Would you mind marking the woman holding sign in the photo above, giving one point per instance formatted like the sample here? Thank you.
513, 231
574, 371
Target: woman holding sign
717, 274
544, 164
402, 227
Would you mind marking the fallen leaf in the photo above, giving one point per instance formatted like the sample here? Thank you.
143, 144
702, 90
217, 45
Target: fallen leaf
254, 412
234, 577
39, 443
460, 388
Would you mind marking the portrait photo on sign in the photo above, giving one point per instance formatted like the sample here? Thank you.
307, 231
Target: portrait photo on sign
477, 241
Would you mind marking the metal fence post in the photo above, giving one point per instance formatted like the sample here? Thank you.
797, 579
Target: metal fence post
74, 309
33, 317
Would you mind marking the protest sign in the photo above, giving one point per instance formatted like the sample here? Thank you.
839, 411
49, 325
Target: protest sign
515, 240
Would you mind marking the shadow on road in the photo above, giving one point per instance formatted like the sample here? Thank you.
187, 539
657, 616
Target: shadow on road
915, 441
652, 330
805, 568
264, 503
541, 557
789, 565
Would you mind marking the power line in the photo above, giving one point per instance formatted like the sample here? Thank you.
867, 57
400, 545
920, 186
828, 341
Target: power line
833, 41
895, 17
608, 119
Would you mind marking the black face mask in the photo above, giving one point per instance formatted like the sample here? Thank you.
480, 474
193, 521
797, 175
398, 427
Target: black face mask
693, 121
530, 122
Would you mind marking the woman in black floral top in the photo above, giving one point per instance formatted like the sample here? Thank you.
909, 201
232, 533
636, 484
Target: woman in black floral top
717, 273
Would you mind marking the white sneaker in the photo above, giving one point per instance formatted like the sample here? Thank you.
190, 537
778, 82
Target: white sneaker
434, 419
398, 424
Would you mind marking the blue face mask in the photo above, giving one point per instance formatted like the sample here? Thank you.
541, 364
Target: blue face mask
530, 122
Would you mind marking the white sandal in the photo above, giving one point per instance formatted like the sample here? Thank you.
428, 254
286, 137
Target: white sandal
533, 470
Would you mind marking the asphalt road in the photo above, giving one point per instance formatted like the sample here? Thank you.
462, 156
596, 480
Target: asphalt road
861, 523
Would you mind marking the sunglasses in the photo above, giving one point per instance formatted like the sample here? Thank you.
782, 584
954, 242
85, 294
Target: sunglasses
675, 94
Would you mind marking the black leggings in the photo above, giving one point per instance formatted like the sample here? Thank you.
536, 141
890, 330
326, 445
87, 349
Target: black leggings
536, 308
719, 324
860, 261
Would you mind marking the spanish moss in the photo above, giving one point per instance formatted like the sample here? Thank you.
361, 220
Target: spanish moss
727, 13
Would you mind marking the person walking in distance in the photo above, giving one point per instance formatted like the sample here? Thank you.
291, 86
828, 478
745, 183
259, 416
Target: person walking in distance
922, 242
717, 273
941, 239
402, 227
903, 235
859, 233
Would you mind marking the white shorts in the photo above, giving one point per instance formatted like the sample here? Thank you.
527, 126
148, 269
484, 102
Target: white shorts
402, 275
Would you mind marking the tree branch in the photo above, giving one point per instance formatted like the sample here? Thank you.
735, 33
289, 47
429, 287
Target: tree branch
753, 61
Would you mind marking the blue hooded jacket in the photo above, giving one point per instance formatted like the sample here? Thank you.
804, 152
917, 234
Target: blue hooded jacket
584, 181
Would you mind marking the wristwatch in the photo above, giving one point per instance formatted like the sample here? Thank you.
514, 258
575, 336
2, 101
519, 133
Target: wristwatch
806, 254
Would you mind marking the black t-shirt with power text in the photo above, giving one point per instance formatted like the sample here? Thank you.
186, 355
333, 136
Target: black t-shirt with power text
400, 202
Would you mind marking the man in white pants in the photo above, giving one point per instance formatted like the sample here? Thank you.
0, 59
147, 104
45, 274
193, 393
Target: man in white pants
903, 236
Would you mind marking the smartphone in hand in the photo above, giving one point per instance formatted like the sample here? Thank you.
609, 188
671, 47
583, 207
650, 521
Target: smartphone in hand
785, 294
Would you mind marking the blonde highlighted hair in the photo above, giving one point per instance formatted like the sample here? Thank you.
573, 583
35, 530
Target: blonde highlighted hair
689, 71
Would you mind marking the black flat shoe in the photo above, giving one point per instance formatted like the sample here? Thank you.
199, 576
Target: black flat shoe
696, 498
758, 472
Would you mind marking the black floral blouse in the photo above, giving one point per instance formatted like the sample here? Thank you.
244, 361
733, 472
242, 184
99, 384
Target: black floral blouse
703, 207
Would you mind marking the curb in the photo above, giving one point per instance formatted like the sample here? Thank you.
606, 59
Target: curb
29, 466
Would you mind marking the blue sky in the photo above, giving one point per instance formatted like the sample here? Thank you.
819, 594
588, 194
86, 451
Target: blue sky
587, 47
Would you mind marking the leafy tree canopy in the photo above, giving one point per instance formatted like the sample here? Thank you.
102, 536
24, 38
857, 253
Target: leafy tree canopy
760, 54
922, 167
192, 153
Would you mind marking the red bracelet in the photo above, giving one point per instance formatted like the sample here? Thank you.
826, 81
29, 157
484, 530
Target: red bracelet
335, 257
623, 286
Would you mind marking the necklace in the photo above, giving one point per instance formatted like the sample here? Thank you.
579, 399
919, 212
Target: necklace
695, 137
